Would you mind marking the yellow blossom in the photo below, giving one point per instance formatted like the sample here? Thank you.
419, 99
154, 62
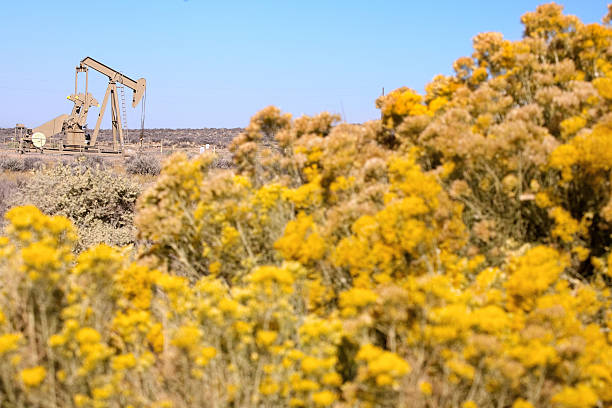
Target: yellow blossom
425, 387
333, 379
9, 342
205, 355
88, 335
462, 369
296, 402
155, 337
521, 403
186, 337
266, 337
571, 125
102, 393
80, 400
565, 226
323, 398
576, 397
32, 377
301, 240
123, 362
57, 340
268, 387
534, 272
383, 380
355, 298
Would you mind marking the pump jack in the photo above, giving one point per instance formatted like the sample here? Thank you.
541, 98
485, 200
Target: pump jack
73, 126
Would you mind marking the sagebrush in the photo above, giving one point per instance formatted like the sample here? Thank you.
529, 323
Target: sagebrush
143, 164
98, 202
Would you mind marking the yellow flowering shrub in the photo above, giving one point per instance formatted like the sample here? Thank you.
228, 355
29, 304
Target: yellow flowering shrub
520, 119
455, 253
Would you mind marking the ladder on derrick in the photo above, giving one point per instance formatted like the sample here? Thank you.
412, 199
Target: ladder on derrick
124, 113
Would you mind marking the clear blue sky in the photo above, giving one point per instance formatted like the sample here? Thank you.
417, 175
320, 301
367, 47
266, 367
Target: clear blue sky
216, 63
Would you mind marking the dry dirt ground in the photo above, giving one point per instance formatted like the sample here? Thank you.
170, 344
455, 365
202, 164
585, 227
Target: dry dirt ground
219, 137
157, 142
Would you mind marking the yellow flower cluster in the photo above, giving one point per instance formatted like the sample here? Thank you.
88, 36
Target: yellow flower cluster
455, 253
32, 377
384, 367
9, 342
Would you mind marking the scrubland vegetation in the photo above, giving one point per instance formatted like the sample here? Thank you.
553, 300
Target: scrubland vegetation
455, 253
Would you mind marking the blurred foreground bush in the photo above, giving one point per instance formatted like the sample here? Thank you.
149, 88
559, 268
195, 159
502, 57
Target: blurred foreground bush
454, 254
523, 129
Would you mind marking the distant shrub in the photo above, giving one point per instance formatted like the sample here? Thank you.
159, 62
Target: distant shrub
222, 163
9, 163
7, 190
143, 164
98, 202
185, 140
32, 163
89, 162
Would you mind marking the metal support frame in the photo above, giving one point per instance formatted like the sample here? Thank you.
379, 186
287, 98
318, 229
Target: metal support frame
117, 130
